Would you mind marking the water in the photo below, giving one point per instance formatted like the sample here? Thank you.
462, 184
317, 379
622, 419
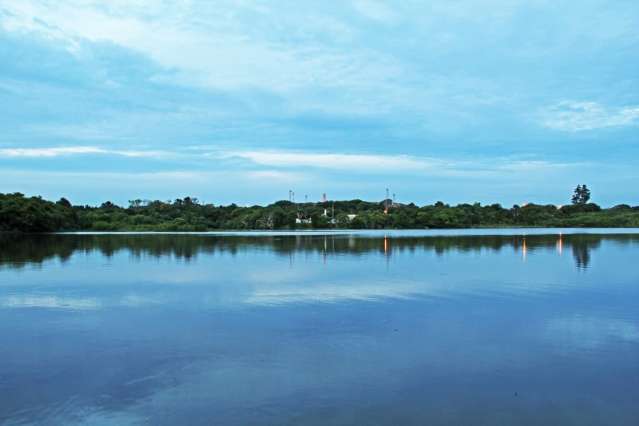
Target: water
275, 329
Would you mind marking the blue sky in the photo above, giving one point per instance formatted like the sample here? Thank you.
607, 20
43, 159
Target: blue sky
239, 101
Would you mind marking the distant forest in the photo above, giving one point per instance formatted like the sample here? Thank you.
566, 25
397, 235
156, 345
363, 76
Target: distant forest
19, 213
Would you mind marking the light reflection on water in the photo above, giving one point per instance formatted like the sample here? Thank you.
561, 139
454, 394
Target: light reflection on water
320, 329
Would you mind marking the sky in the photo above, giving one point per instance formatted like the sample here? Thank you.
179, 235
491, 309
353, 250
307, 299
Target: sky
241, 101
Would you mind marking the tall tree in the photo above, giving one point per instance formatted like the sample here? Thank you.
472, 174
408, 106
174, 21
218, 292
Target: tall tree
585, 194
576, 195
581, 195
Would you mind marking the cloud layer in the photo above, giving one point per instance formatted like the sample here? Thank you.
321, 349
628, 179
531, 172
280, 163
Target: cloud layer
73, 150
325, 92
582, 116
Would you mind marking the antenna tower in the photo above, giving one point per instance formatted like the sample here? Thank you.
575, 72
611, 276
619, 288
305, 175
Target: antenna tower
386, 202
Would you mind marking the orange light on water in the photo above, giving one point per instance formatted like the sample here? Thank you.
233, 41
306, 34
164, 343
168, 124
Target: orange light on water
560, 244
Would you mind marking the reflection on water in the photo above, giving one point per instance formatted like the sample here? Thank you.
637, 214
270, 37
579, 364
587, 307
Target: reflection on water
17, 251
319, 329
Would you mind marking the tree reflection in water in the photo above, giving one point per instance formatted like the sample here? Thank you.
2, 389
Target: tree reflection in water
19, 250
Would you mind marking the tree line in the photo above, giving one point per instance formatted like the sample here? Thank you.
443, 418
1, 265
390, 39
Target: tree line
35, 214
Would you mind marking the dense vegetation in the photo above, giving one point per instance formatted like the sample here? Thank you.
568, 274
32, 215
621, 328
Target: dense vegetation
34, 214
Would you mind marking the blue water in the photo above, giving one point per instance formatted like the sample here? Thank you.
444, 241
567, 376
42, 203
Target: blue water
519, 327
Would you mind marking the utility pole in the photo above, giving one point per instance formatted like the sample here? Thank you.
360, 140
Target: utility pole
386, 202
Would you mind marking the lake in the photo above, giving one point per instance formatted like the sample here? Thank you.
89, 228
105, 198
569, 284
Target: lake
479, 327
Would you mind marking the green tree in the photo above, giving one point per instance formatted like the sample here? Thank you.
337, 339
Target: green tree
581, 195
585, 195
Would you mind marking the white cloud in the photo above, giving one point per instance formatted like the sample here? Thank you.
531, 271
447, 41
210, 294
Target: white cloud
159, 177
335, 161
218, 51
49, 152
321, 58
570, 116
385, 164
75, 150
272, 165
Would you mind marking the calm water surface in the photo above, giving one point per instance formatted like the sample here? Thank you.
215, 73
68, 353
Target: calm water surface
276, 329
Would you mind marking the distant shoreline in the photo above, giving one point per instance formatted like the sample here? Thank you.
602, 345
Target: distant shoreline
484, 231
415, 232
19, 213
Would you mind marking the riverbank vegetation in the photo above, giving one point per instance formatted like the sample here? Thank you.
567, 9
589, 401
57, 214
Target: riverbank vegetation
34, 214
